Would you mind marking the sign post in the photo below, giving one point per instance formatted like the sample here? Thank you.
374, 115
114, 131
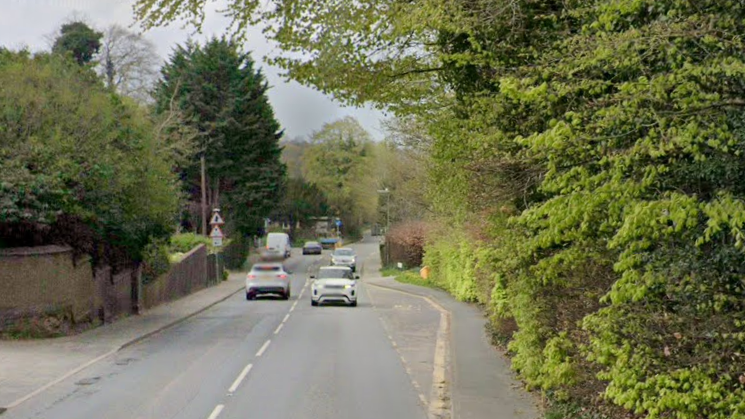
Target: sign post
217, 236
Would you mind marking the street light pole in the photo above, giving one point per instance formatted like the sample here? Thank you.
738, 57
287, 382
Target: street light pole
387, 208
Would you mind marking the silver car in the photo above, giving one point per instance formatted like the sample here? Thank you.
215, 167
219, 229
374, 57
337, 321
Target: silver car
344, 256
334, 284
268, 279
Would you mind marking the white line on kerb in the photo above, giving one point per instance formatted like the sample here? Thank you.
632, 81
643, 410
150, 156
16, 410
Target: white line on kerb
216, 412
263, 348
287, 316
240, 378
276, 331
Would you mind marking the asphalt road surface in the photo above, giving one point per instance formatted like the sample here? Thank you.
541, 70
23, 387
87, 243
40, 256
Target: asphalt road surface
268, 359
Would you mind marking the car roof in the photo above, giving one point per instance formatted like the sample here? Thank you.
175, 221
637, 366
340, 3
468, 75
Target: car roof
325, 268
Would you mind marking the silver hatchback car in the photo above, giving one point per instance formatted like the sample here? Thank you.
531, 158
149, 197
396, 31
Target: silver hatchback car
268, 279
344, 256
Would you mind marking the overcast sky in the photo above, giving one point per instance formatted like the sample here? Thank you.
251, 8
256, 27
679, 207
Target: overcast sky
300, 110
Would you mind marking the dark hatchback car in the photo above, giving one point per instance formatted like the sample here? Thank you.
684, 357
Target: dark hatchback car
312, 248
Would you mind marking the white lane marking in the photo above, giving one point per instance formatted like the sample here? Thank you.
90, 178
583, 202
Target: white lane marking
216, 412
287, 316
263, 348
301, 294
240, 378
276, 331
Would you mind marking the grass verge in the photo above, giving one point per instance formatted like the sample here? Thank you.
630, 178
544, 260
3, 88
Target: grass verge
408, 277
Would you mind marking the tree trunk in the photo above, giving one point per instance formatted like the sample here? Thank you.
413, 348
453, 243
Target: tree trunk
204, 197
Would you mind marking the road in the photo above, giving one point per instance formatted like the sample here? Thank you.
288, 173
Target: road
268, 359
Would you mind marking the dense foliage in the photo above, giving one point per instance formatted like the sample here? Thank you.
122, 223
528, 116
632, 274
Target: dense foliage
78, 164
224, 99
79, 40
586, 169
340, 164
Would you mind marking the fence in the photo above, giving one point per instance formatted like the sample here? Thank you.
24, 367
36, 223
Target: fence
186, 277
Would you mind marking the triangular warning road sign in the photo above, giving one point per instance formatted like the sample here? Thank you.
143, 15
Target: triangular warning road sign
216, 232
216, 219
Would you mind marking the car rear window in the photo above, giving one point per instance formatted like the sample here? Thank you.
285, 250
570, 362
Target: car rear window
344, 253
266, 268
334, 273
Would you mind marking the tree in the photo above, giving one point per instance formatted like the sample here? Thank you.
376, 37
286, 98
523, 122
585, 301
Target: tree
79, 40
341, 163
292, 153
78, 165
128, 63
402, 163
224, 99
301, 202
586, 166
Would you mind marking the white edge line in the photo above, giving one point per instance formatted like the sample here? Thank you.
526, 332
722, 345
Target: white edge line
276, 331
263, 348
216, 412
60, 379
240, 378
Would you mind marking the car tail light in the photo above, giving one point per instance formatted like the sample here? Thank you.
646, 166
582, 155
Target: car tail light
282, 276
252, 277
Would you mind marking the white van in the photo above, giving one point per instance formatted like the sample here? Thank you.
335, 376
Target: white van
277, 246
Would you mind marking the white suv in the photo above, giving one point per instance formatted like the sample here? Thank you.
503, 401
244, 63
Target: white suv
334, 283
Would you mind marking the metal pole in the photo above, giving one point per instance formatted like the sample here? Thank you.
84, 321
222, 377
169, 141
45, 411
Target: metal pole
217, 268
388, 213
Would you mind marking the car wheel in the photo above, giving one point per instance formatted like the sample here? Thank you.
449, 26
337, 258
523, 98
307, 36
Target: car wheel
249, 296
287, 294
314, 303
354, 303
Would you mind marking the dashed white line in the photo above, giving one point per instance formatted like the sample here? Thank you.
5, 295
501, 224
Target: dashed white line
263, 348
287, 316
276, 331
240, 379
216, 412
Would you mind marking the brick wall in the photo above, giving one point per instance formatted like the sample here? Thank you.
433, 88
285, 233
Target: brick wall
38, 281
45, 279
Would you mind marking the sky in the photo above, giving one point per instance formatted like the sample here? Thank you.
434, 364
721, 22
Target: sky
299, 109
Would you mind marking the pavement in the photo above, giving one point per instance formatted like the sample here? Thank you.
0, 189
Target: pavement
404, 352
31, 365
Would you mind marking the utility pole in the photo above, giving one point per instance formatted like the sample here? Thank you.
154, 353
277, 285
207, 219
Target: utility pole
204, 196
387, 208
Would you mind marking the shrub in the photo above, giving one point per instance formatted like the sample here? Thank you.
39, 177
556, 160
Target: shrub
404, 243
155, 259
185, 242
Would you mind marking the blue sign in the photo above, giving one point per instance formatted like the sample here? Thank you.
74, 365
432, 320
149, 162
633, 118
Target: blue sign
338, 223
